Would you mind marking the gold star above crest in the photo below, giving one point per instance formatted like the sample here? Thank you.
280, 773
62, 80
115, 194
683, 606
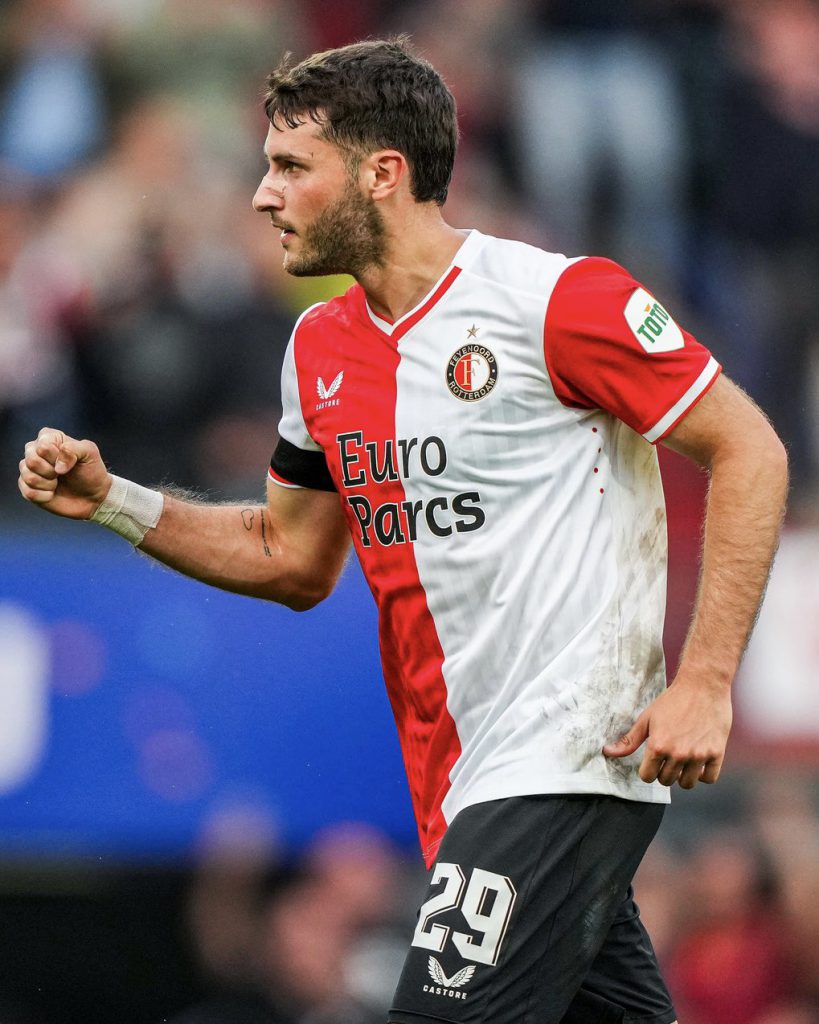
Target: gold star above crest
473, 331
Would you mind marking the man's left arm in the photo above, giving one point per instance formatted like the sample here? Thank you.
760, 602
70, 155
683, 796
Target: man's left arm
686, 728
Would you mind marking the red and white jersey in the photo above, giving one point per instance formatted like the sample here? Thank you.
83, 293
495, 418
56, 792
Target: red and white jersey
492, 450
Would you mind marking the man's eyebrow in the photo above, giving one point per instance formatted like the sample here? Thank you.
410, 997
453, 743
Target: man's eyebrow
284, 156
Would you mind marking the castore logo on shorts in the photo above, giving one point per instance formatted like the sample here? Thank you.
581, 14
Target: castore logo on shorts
445, 986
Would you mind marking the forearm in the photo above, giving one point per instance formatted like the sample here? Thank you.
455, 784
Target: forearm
746, 501
292, 550
233, 547
685, 730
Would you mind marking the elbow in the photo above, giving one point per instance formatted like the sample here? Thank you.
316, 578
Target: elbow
781, 456
300, 595
776, 457
758, 445
765, 466
304, 601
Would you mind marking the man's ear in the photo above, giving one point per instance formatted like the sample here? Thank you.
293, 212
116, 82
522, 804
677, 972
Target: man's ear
383, 172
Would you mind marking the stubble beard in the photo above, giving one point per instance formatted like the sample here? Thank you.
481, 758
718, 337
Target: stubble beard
347, 236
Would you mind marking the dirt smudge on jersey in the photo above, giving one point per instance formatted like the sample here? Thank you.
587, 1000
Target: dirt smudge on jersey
606, 702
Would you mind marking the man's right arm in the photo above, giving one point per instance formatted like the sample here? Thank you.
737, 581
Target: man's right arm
290, 551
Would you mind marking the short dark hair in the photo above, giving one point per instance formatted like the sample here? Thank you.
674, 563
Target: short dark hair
372, 95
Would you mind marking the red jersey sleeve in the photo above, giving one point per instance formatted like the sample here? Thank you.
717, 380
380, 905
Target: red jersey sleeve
611, 345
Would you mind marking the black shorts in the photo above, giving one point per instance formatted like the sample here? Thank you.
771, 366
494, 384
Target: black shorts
529, 918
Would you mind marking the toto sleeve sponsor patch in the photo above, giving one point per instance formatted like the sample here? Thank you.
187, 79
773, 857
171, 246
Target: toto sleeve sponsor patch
651, 324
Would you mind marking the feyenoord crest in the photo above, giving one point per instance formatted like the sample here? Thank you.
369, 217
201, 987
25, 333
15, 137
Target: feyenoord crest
471, 372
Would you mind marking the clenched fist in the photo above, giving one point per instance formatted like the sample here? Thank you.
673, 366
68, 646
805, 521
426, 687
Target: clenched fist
63, 475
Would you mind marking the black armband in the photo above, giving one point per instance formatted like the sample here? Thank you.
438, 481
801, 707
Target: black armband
303, 468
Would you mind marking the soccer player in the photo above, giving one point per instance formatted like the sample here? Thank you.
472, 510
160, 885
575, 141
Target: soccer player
480, 417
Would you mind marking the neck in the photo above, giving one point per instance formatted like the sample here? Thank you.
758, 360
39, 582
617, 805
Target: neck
418, 252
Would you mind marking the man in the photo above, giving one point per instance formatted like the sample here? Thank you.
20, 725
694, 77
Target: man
471, 412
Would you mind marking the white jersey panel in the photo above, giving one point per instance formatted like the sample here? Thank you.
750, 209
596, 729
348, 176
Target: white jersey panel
292, 426
551, 641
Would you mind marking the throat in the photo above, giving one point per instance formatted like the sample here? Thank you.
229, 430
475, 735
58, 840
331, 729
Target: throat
411, 275
395, 299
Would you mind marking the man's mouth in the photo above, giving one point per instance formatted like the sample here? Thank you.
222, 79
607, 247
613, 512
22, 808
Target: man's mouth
286, 232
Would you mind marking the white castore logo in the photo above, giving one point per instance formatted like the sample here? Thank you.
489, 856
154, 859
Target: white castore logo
323, 391
326, 393
458, 980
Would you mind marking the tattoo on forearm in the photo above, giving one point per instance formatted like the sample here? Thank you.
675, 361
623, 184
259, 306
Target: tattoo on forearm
248, 516
264, 536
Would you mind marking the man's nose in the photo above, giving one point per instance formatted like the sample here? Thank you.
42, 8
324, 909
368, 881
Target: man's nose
268, 196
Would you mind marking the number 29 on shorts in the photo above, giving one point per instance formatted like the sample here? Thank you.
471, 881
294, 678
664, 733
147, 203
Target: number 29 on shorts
486, 903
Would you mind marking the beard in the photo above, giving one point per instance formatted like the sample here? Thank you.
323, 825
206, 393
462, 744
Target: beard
345, 238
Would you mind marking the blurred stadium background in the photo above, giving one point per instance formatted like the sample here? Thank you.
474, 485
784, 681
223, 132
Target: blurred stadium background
202, 808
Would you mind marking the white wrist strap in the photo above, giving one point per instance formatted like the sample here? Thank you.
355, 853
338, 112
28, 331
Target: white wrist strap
130, 510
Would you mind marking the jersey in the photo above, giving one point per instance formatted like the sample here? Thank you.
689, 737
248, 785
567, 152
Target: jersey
493, 454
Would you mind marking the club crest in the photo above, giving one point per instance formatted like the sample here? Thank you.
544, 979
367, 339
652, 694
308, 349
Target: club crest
472, 372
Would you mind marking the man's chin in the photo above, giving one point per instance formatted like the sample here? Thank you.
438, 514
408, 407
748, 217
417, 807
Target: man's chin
295, 267
305, 268
300, 270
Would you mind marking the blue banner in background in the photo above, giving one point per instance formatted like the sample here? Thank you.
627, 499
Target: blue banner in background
145, 715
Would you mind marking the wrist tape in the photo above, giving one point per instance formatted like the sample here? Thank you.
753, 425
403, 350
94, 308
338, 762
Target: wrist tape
129, 510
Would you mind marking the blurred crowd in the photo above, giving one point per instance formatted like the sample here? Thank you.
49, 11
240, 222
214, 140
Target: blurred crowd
317, 941
141, 301
142, 305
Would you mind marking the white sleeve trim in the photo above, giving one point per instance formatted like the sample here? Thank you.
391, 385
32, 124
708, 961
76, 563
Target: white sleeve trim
712, 367
271, 476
